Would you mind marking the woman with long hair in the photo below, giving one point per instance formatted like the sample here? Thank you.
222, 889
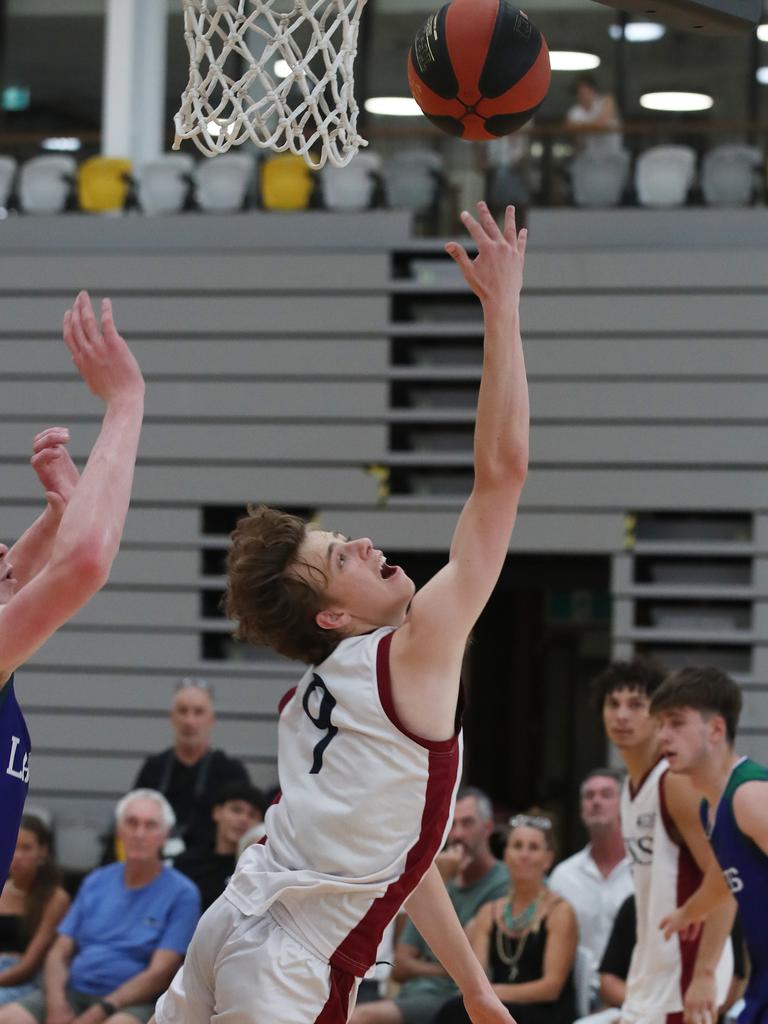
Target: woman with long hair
526, 940
32, 903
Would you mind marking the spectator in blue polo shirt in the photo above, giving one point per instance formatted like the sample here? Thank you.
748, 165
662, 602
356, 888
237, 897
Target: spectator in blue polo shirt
124, 936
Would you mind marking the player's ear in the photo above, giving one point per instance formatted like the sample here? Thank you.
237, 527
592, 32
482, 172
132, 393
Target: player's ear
329, 619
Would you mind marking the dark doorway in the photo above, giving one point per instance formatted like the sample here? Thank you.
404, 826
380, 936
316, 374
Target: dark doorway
530, 732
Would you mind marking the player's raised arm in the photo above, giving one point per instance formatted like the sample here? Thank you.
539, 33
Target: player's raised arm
88, 536
427, 649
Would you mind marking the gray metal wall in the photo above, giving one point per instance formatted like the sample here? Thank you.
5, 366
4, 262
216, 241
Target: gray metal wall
267, 343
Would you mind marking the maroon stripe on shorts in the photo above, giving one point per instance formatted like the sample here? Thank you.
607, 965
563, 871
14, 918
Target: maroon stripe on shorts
336, 1009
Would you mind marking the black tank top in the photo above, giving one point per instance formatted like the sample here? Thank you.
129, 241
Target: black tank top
12, 933
14, 774
529, 966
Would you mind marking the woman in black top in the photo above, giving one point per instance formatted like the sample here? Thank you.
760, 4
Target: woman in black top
32, 903
527, 940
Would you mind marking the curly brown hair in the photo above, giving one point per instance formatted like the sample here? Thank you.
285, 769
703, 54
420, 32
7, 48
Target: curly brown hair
270, 603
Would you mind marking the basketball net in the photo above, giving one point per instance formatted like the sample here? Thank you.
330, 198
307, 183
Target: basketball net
234, 94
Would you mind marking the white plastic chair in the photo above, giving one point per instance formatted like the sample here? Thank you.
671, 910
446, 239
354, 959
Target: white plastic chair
664, 174
163, 184
45, 183
351, 187
412, 179
8, 165
599, 180
222, 183
729, 175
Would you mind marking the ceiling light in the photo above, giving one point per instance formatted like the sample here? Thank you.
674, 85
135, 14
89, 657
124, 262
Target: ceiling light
61, 144
393, 106
762, 75
676, 101
762, 33
572, 60
282, 68
638, 31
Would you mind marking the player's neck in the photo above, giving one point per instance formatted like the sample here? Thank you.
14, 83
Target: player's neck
140, 873
711, 776
640, 760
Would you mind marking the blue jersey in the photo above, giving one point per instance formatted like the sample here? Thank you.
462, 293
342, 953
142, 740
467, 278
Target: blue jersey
14, 774
745, 867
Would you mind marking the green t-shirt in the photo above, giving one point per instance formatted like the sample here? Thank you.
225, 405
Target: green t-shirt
466, 900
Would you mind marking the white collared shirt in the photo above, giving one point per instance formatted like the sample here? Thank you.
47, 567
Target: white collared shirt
595, 898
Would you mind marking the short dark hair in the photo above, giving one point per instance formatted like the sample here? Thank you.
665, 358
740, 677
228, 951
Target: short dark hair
704, 688
240, 790
643, 674
603, 773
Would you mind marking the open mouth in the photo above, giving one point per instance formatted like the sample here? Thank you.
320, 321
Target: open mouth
387, 571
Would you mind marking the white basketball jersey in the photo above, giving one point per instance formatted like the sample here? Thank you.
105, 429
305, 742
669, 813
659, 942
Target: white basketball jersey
365, 807
665, 875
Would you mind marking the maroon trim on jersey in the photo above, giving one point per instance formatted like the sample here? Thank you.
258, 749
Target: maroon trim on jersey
358, 950
384, 680
689, 876
284, 699
634, 792
336, 1009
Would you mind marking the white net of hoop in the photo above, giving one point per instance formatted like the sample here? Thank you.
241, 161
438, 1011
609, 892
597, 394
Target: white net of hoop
234, 93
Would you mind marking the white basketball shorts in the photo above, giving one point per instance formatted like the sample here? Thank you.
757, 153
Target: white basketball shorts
247, 970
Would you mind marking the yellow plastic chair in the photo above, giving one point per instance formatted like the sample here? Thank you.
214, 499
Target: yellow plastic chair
102, 183
286, 182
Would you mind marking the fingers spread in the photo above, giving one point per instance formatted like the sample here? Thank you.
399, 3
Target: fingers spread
489, 224
473, 227
510, 225
459, 254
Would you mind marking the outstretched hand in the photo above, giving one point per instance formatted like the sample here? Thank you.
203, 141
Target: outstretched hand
495, 275
54, 467
100, 354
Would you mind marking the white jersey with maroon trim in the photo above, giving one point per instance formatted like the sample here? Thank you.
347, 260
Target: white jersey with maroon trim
365, 806
665, 875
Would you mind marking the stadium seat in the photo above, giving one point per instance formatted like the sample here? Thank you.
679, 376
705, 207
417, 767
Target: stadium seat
103, 183
164, 184
505, 186
412, 179
45, 183
286, 183
664, 174
729, 175
222, 183
8, 165
599, 180
351, 187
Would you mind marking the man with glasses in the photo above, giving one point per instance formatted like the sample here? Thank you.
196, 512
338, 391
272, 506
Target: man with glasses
190, 773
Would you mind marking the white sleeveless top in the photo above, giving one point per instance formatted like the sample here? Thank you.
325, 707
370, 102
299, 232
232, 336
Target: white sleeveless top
665, 875
364, 808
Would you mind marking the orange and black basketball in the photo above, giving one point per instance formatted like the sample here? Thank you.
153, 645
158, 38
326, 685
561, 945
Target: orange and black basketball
479, 68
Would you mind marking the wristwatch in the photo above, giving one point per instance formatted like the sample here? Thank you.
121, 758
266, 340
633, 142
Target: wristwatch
107, 1007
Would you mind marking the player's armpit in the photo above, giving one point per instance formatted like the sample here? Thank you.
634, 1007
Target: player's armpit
683, 803
750, 806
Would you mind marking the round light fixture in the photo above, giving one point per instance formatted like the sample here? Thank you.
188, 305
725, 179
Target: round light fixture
676, 101
282, 68
638, 31
393, 106
762, 75
573, 60
762, 33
